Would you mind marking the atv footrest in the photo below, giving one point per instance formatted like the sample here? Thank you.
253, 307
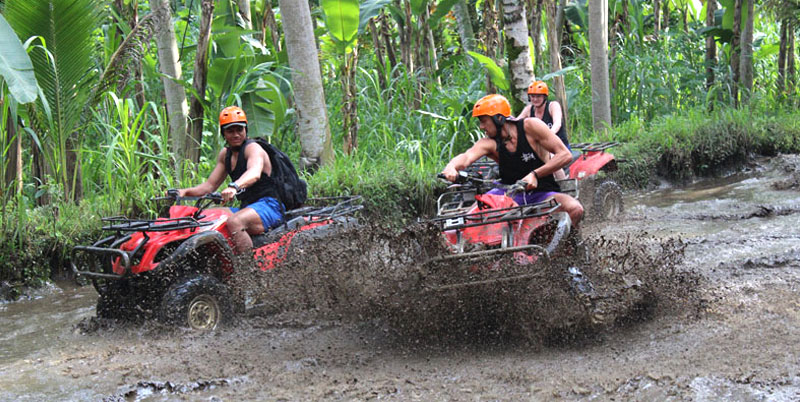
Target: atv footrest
487, 253
482, 282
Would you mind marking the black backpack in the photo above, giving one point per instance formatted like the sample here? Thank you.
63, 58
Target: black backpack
292, 190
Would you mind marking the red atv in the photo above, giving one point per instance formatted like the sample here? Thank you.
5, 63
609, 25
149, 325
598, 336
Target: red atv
601, 196
179, 268
477, 225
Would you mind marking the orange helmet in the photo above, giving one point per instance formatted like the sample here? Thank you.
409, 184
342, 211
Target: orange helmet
492, 105
232, 116
538, 88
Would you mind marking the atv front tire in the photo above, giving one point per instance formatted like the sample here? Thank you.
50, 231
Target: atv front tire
199, 302
607, 202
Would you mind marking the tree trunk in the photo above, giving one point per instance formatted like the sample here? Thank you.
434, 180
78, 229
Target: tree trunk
491, 40
177, 108
517, 51
665, 15
13, 162
562, 5
407, 39
387, 37
138, 85
270, 25
736, 51
376, 44
598, 56
312, 114
791, 74
746, 62
535, 29
784, 43
244, 12
350, 107
195, 141
430, 47
656, 17
554, 46
465, 32
74, 191
711, 44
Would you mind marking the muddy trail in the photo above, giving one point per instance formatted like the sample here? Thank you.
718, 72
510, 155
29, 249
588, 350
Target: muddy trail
697, 291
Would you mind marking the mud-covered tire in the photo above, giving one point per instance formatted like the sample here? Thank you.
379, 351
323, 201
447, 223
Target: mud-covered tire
198, 302
607, 201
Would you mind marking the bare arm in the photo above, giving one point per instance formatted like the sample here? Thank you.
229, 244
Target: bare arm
538, 133
525, 113
555, 113
213, 182
484, 146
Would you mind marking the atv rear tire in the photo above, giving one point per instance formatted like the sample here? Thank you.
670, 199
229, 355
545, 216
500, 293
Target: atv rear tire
198, 302
607, 202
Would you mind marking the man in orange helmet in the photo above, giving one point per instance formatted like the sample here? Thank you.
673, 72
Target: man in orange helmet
250, 169
549, 112
522, 148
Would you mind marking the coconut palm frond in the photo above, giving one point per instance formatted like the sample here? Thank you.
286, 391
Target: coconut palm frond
117, 72
63, 59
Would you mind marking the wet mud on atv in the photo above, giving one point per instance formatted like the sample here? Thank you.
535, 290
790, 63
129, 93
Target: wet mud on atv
180, 269
524, 258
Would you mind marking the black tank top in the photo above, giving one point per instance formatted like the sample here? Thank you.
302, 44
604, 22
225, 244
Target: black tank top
515, 166
547, 119
264, 187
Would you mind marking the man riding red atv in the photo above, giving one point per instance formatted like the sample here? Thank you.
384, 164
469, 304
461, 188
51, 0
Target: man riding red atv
526, 212
183, 263
179, 268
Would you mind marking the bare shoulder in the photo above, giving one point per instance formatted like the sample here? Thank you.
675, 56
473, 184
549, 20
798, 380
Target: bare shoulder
533, 124
221, 155
253, 148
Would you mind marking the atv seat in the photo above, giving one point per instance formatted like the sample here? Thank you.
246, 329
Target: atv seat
275, 233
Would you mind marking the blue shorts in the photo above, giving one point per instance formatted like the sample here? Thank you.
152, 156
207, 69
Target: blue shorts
268, 209
527, 197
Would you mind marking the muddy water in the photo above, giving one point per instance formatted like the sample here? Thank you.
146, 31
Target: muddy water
726, 329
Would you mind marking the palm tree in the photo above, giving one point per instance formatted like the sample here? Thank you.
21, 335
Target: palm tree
313, 129
63, 61
598, 54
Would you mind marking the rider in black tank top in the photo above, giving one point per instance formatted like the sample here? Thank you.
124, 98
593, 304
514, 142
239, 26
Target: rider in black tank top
548, 119
515, 166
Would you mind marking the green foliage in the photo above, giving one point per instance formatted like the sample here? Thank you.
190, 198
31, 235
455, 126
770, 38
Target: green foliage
36, 242
495, 72
15, 65
63, 64
698, 143
341, 18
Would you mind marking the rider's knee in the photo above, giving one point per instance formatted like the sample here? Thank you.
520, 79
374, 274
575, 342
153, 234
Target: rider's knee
235, 222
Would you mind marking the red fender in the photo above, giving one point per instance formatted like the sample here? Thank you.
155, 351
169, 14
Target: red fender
589, 164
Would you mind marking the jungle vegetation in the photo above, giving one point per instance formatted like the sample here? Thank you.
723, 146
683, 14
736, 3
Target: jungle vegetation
105, 104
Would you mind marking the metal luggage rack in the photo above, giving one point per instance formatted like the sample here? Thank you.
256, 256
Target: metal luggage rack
324, 208
594, 146
124, 224
490, 216
456, 202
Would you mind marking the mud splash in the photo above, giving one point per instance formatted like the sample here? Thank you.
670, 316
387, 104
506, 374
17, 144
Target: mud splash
373, 273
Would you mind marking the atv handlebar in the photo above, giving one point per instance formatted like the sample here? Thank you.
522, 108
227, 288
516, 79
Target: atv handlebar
476, 180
